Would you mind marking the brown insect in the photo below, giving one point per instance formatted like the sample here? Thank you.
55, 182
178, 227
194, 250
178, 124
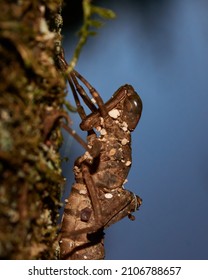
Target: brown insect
98, 197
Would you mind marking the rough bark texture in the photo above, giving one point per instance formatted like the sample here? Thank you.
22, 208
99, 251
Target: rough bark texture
31, 98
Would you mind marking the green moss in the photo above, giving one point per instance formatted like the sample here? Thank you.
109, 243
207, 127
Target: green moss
89, 26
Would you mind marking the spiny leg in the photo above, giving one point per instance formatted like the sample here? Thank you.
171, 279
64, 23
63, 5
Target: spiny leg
74, 84
94, 93
71, 77
82, 93
82, 115
73, 81
80, 109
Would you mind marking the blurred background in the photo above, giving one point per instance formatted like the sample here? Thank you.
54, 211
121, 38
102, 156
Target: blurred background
160, 48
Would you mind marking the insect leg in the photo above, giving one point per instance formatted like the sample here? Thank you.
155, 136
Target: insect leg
93, 196
75, 136
82, 93
96, 223
71, 77
94, 93
80, 109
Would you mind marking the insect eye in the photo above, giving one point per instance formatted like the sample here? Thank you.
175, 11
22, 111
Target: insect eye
132, 110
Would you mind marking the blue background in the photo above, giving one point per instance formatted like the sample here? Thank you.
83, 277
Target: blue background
160, 48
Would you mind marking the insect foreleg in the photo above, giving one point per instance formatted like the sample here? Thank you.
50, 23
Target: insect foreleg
81, 92
94, 93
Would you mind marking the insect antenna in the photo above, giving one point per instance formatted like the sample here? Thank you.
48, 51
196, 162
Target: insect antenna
75, 136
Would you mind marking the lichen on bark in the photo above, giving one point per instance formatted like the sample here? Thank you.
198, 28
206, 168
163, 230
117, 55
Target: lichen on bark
32, 94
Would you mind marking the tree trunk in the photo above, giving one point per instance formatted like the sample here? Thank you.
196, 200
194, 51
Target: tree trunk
32, 94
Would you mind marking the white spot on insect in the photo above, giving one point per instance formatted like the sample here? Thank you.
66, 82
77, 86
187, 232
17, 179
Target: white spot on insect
93, 100
66, 200
125, 181
76, 170
124, 141
128, 162
101, 121
85, 257
124, 126
88, 156
71, 244
103, 131
108, 195
112, 152
60, 241
114, 113
83, 192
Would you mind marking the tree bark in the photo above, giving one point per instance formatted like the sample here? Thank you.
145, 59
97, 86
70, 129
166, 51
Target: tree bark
32, 94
